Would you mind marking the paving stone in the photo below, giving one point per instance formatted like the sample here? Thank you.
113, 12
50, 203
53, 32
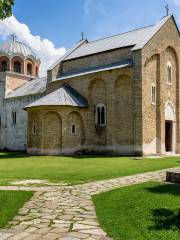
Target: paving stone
66, 212
4, 236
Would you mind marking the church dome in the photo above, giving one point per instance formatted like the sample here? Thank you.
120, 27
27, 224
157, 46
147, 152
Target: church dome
13, 47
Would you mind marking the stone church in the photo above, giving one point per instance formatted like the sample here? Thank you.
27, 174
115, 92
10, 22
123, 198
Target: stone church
116, 95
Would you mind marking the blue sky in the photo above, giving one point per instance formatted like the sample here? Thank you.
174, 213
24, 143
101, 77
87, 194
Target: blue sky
62, 21
52, 26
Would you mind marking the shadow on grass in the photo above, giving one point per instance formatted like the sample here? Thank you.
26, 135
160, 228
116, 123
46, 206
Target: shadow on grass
171, 189
165, 219
4, 155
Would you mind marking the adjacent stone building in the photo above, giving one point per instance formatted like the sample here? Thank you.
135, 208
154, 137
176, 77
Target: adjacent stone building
19, 86
116, 95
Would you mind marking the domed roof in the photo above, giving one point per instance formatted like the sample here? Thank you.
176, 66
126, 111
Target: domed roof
12, 47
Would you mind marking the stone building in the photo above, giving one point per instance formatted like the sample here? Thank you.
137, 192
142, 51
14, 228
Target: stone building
19, 86
116, 95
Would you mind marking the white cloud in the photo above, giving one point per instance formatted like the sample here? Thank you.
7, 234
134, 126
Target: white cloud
44, 48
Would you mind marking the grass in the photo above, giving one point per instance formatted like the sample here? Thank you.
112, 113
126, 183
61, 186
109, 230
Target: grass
146, 211
10, 203
75, 169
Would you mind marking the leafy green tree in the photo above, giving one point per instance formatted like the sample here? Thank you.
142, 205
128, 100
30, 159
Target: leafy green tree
6, 8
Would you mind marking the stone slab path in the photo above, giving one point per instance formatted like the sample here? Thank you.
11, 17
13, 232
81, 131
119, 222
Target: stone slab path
66, 212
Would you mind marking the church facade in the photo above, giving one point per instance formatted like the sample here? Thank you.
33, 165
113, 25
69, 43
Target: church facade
116, 95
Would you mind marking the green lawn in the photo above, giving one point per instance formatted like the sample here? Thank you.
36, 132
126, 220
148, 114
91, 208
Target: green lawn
148, 211
75, 169
10, 203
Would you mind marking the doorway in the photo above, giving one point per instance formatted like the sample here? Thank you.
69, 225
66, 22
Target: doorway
169, 136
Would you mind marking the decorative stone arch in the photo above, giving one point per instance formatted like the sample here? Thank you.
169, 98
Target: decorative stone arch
76, 138
123, 110
175, 55
170, 112
97, 91
18, 60
29, 66
149, 59
170, 127
4, 64
172, 52
52, 133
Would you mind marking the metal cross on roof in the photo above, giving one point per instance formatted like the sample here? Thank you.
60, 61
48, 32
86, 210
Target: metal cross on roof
13, 37
167, 9
82, 36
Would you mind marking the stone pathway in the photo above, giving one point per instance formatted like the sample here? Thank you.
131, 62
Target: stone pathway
66, 212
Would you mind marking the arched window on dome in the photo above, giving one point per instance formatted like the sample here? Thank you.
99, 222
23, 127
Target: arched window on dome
100, 115
4, 66
17, 67
29, 69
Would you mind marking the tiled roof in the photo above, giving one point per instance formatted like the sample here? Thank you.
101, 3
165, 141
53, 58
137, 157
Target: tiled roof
64, 96
137, 39
15, 47
31, 87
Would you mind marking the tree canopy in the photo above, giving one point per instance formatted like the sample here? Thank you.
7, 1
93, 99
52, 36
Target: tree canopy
6, 8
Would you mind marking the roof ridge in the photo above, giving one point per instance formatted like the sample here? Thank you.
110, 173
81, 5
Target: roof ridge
99, 39
133, 30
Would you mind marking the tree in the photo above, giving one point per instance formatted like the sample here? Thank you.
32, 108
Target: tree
6, 8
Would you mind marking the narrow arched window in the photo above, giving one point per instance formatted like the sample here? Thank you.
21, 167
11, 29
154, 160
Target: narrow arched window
4, 66
17, 67
29, 69
153, 94
73, 129
169, 73
100, 118
13, 118
34, 130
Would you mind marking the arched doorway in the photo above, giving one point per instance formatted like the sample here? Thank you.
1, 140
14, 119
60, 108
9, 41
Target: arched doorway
170, 128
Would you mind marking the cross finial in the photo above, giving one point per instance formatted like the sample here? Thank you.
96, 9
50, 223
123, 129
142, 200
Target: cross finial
82, 36
167, 10
13, 37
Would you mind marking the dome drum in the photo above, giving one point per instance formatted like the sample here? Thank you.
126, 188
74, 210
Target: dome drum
19, 58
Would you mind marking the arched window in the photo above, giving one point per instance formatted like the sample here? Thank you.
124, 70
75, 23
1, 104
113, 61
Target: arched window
29, 69
34, 130
4, 66
73, 129
153, 94
169, 73
17, 67
13, 118
100, 115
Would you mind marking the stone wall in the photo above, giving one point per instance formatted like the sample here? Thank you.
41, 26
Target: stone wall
103, 87
14, 136
164, 47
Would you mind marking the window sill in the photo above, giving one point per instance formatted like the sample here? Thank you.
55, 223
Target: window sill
153, 104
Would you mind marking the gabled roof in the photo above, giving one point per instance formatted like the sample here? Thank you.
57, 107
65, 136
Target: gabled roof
67, 53
136, 38
36, 86
64, 96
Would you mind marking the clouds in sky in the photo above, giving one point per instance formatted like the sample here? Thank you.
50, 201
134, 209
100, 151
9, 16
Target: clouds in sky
44, 48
